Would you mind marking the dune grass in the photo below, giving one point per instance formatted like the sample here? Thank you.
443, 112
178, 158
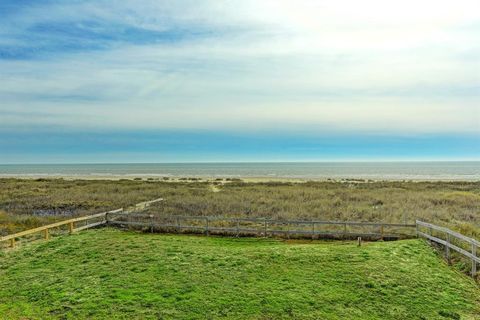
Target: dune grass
28, 203
113, 274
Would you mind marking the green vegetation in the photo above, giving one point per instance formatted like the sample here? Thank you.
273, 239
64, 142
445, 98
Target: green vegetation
113, 274
29, 203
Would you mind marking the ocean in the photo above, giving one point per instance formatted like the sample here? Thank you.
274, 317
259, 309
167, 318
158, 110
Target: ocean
292, 170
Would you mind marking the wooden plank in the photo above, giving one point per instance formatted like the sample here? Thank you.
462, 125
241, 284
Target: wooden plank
462, 237
429, 237
143, 205
236, 229
55, 225
429, 225
452, 246
447, 248
192, 227
206, 226
285, 231
446, 230
187, 217
91, 225
31, 231
147, 203
474, 263
464, 252
285, 222
130, 223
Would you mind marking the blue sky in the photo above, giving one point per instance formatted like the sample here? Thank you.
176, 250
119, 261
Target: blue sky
166, 81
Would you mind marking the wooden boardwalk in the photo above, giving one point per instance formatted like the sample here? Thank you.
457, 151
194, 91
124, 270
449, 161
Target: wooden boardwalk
262, 227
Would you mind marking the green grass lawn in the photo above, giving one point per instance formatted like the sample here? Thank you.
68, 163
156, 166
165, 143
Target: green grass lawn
113, 274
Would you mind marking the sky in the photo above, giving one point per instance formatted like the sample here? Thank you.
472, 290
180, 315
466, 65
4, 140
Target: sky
239, 80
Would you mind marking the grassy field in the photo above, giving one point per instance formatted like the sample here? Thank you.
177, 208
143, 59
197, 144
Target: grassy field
28, 203
112, 274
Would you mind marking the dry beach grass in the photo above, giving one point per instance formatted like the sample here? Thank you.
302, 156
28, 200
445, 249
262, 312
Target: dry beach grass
28, 203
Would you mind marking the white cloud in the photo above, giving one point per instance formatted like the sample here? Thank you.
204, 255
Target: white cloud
375, 66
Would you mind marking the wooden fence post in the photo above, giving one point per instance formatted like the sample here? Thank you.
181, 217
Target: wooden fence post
344, 231
238, 228
45, 230
381, 231
265, 228
450, 235
447, 248
151, 223
474, 263
431, 233
206, 226
313, 230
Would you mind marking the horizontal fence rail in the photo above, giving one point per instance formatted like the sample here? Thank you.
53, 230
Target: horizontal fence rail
143, 205
73, 224
263, 227
90, 222
466, 246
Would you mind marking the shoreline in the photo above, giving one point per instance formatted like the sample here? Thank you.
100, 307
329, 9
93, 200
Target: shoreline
231, 178
253, 172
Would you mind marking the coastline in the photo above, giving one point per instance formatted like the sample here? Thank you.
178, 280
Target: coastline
230, 178
253, 172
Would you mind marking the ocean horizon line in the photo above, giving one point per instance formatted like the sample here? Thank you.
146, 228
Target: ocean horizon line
239, 162
410, 170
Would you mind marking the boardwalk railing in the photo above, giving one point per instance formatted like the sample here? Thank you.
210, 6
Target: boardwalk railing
262, 227
88, 222
466, 246
74, 225
143, 205
130, 218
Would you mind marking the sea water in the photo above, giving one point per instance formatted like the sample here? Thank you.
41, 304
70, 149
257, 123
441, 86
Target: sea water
446, 170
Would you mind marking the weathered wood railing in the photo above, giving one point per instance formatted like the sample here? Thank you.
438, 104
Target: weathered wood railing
99, 219
143, 205
466, 246
263, 227
89, 222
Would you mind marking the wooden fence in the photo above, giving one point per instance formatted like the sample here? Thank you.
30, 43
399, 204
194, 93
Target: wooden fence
88, 222
466, 246
130, 218
73, 225
263, 227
